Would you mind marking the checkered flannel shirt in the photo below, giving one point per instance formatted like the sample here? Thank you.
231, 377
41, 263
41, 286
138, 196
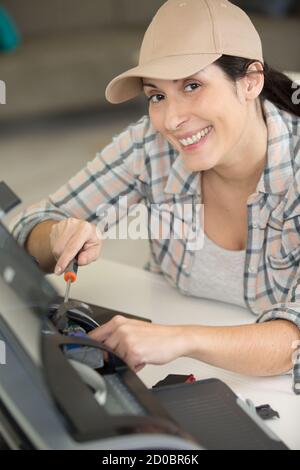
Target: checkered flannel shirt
141, 165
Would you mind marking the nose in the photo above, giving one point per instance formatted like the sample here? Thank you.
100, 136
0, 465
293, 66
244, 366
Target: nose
176, 114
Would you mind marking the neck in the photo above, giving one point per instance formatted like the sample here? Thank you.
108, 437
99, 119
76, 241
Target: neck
243, 167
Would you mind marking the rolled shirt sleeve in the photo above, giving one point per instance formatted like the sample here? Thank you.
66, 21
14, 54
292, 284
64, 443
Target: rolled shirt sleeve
291, 312
105, 179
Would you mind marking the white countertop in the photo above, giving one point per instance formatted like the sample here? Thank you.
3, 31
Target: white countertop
295, 76
139, 292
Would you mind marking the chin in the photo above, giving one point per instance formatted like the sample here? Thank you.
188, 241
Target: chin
197, 163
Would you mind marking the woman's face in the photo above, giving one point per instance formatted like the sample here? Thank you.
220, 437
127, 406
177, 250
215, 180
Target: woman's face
204, 116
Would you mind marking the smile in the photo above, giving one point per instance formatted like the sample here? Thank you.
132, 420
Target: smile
194, 139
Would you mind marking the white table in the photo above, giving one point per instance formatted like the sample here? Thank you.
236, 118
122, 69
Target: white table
138, 292
295, 76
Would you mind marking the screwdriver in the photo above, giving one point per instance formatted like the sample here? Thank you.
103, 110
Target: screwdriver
70, 276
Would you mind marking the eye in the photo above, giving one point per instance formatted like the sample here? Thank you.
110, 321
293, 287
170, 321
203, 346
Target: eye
154, 98
193, 86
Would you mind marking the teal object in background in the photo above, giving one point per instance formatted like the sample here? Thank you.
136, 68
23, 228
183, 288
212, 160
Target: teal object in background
10, 37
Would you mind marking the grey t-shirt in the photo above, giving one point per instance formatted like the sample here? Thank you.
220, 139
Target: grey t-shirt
218, 274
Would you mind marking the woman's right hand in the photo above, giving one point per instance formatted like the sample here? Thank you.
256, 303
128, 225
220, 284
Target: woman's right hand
72, 238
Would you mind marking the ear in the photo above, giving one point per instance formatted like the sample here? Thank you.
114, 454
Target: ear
250, 86
253, 82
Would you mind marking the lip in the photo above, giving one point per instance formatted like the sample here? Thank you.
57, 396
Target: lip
190, 134
196, 145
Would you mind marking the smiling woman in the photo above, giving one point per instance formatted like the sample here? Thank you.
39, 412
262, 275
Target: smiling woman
206, 118
163, 116
223, 133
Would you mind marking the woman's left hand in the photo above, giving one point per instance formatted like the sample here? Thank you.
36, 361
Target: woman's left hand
139, 343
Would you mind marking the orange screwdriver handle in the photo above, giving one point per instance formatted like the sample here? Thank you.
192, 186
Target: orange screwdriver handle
71, 271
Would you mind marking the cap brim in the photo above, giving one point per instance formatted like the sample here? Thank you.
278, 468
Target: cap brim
129, 84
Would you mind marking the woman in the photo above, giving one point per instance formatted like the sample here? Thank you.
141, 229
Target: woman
222, 131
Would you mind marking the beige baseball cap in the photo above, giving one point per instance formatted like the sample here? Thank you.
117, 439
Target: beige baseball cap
184, 37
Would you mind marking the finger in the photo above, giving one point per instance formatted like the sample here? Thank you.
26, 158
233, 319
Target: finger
113, 343
105, 356
131, 353
139, 367
101, 333
73, 247
88, 255
133, 363
59, 245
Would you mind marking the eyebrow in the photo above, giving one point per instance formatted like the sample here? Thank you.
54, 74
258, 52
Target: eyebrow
154, 86
151, 85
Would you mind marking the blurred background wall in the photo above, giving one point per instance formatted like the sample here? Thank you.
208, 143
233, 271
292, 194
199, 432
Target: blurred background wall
72, 48
56, 117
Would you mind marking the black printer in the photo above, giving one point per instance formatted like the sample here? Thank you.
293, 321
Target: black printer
61, 390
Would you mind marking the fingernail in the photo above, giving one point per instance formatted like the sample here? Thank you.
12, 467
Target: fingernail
58, 270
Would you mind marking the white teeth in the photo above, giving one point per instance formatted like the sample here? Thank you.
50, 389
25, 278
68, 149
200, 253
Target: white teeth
195, 138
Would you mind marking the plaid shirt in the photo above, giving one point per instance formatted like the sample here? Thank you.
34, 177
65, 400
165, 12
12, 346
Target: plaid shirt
141, 165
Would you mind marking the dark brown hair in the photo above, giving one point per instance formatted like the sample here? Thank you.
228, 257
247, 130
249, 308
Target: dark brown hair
277, 88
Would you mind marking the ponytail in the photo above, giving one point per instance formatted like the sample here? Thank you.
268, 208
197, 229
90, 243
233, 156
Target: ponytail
278, 88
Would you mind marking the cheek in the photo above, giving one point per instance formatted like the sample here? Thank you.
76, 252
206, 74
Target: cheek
156, 120
230, 123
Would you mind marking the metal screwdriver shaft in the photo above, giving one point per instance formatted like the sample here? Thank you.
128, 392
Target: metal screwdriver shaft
66, 299
70, 276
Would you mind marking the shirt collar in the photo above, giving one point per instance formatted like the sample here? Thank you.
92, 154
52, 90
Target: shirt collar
181, 180
278, 171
